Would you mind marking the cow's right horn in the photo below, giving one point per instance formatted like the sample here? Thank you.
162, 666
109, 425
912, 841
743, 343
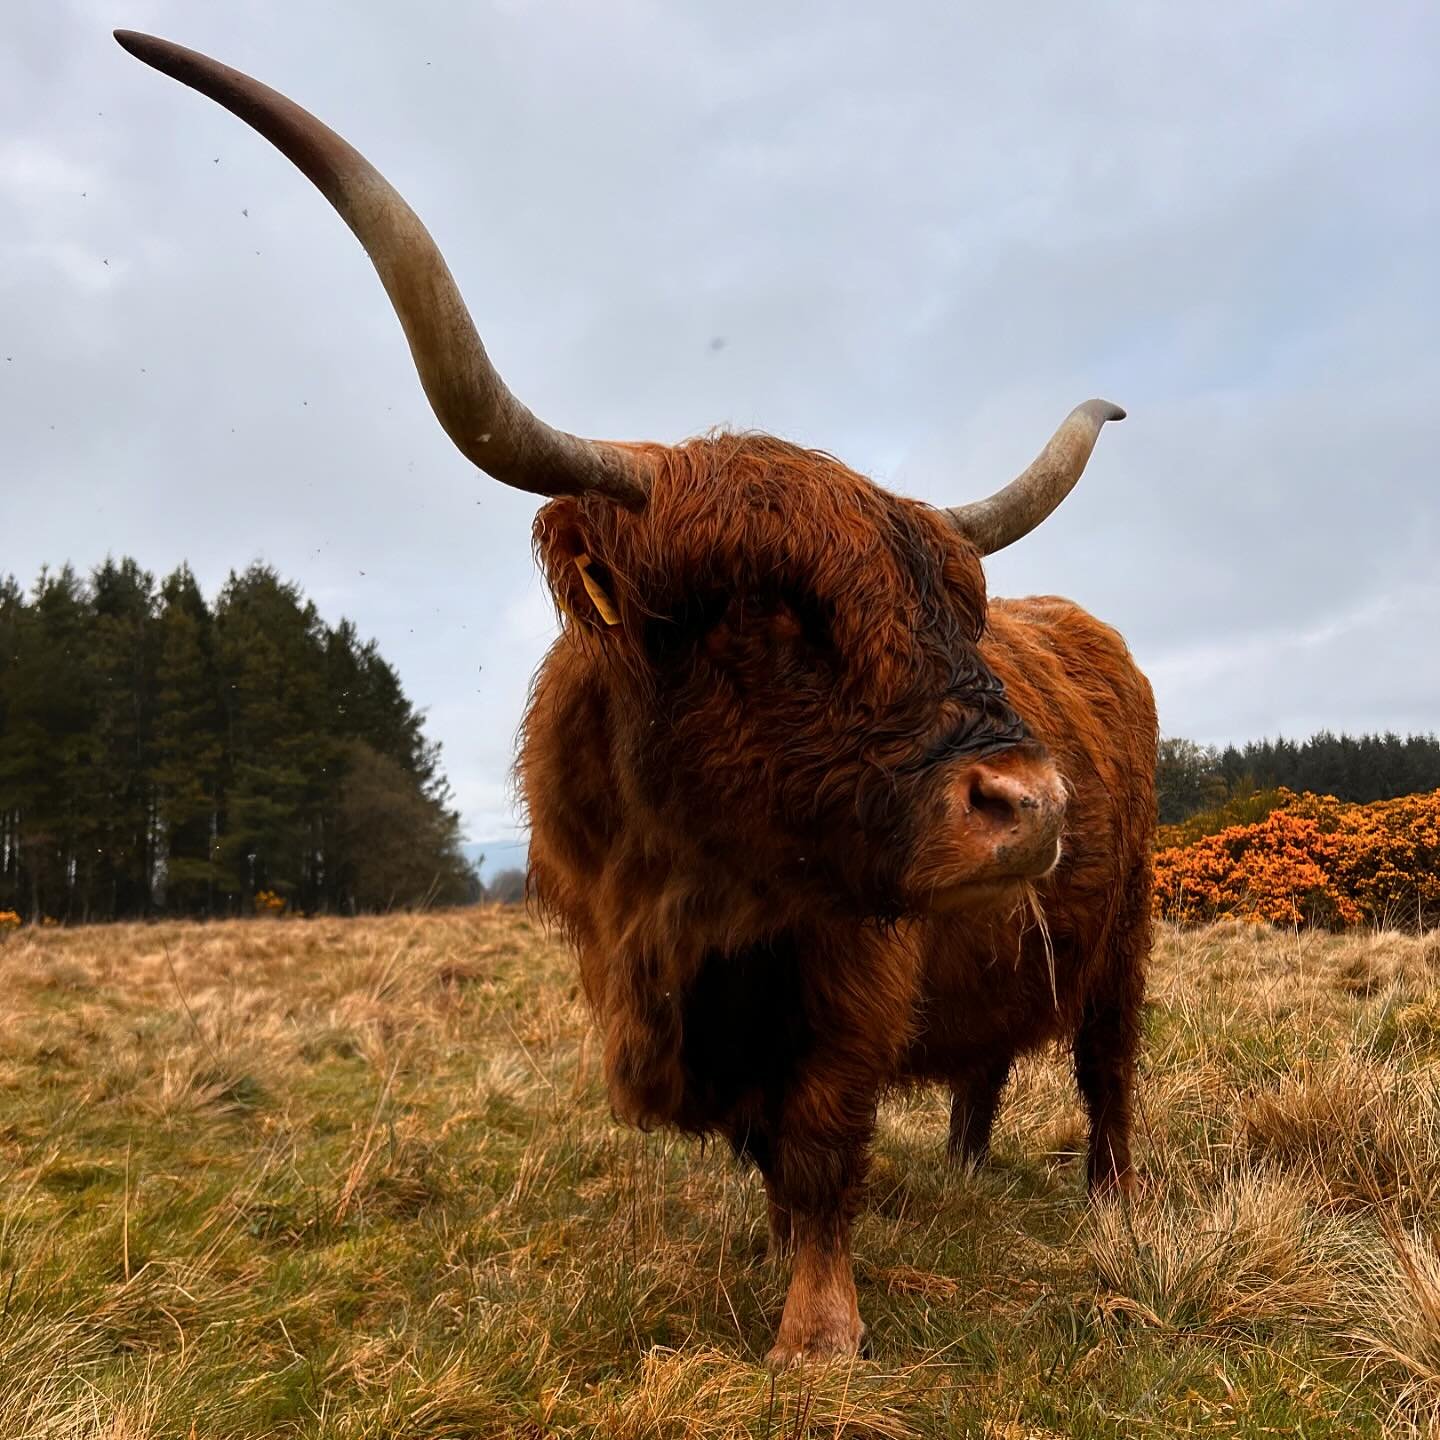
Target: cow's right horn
488, 424
1002, 518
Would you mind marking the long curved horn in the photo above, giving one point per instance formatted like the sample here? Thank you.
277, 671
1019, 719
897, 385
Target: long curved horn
1005, 516
488, 424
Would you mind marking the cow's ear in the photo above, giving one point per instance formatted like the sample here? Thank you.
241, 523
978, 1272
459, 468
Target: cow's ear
579, 578
595, 577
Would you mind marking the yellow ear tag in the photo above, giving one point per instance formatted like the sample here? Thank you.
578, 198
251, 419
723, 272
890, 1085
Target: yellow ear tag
596, 591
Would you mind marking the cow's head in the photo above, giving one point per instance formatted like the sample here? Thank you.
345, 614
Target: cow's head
798, 681
796, 676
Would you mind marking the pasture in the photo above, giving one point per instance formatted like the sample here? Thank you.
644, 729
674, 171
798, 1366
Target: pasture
359, 1178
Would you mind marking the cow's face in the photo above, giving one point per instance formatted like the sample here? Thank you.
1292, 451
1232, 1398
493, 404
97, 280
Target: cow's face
794, 655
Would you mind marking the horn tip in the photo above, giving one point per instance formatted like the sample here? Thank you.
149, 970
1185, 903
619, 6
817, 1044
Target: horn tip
1102, 410
142, 46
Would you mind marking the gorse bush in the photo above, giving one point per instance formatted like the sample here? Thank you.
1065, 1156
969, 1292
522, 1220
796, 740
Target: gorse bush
1245, 807
1311, 860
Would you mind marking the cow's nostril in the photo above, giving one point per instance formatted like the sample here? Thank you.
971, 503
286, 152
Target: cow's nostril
994, 797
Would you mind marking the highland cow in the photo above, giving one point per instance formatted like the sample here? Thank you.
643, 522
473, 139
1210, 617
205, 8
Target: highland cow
817, 815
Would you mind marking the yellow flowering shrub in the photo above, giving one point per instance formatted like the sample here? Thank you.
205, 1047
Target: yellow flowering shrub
267, 902
1313, 860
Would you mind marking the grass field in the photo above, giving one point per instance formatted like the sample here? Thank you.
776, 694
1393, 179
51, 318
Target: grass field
359, 1179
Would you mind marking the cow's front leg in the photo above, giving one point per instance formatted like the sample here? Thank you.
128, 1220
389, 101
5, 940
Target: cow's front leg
781, 1232
821, 1320
813, 1197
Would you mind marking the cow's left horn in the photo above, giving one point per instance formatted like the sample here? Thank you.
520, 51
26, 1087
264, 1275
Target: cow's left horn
1005, 516
486, 422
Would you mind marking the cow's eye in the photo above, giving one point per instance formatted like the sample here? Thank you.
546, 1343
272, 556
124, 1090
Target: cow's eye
805, 618
674, 637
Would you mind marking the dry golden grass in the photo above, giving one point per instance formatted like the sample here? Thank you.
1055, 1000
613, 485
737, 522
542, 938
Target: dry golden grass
359, 1179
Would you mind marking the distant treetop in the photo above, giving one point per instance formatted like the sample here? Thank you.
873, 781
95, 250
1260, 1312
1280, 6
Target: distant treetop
1191, 778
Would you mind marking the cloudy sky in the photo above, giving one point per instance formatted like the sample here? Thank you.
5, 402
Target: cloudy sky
911, 234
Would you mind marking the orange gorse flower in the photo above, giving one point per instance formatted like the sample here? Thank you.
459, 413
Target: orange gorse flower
1313, 860
267, 902
9, 919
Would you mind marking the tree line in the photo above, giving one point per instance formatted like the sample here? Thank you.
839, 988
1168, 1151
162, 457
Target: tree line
1191, 778
162, 755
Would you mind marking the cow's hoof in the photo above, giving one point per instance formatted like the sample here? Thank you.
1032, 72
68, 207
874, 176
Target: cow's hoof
1123, 1187
818, 1349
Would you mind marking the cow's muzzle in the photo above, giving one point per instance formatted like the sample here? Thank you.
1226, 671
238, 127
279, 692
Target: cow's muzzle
1000, 824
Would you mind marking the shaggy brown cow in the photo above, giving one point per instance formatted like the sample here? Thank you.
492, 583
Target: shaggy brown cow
818, 818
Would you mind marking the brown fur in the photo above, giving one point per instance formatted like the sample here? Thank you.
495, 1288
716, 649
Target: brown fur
742, 800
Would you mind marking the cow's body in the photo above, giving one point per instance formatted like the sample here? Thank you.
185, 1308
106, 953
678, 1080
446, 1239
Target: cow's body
735, 1000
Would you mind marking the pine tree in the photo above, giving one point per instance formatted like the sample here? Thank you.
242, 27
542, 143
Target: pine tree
280, 751
1187, 778
12, 618
187, 748
45, 747
118, 808
393, 844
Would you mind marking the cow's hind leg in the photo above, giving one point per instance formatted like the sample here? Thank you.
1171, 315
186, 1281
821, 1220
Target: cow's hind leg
975, 1099
1106, 1047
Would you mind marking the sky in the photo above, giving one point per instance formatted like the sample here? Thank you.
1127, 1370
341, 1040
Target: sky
913, 235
